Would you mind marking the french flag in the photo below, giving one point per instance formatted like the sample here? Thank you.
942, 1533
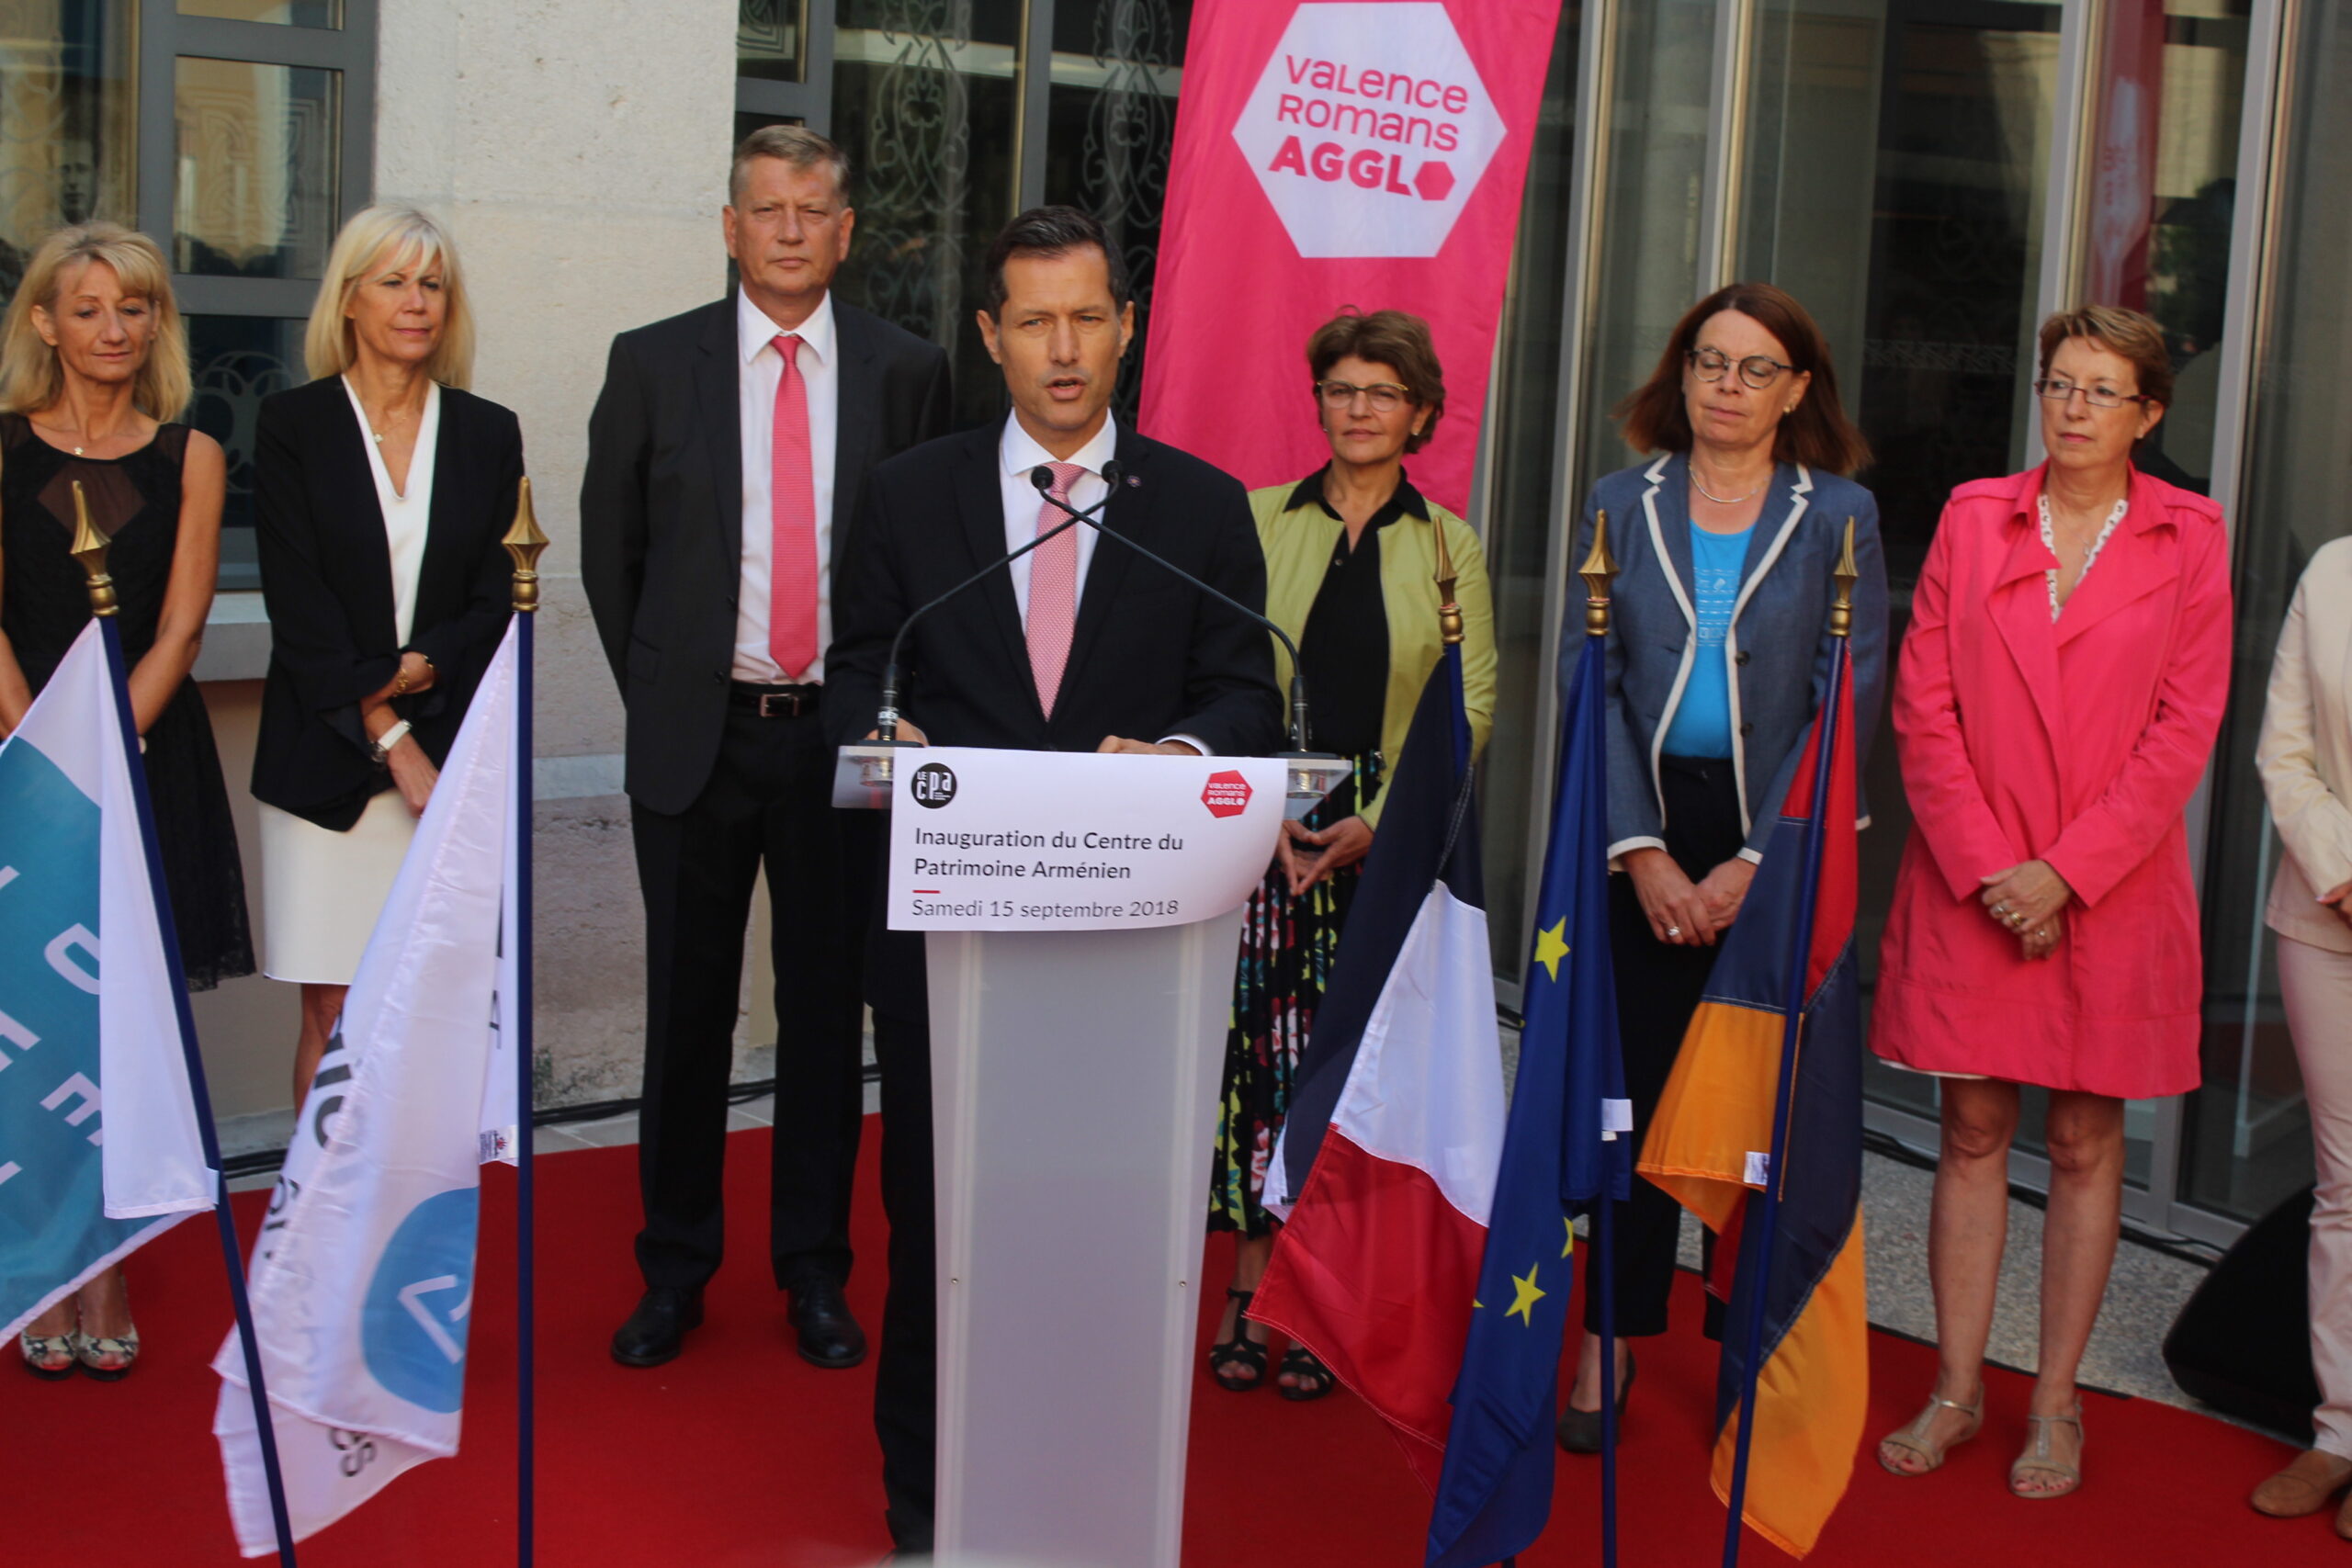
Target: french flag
1386, 1169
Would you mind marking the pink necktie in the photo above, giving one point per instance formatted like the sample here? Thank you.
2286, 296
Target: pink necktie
1053, 592
792, 504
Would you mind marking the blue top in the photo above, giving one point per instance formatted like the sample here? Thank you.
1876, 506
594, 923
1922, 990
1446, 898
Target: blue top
1701, 726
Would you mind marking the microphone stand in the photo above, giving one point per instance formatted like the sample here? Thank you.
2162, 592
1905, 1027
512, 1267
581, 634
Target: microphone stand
886, 723
863, 777
1312, 775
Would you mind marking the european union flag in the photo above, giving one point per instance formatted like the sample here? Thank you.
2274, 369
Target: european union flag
1559, 1149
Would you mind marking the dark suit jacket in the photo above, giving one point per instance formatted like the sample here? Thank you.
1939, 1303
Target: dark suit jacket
327, 578
661, 514
1151, 656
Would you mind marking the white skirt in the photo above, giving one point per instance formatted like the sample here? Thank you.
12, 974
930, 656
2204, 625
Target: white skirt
320, 890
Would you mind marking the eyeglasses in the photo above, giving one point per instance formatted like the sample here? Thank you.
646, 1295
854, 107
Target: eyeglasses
1385, 396
2058, 391
1758, 371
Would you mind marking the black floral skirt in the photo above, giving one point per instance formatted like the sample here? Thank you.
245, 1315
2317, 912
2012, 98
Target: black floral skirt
1288, 947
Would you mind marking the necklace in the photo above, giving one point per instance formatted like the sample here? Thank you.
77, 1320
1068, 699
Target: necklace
1700, 485
76, 433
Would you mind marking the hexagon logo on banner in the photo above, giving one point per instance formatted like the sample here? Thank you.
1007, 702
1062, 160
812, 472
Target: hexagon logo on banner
1369, 128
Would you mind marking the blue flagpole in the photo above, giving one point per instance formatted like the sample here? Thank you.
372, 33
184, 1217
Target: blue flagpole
1604, 1250
524, 542
1756, 1242
1604, 1247
90, 548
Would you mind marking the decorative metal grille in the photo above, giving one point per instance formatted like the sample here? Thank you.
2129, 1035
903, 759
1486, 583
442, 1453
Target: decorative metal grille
917, 165
1130, 133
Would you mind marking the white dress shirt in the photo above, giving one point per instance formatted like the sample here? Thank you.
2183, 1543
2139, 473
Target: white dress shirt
1021, 455
762, 372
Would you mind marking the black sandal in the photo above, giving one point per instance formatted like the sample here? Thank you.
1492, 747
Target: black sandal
1300, 1363
1239, 1351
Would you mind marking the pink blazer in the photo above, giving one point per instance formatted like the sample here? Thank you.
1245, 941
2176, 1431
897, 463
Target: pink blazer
2079, 743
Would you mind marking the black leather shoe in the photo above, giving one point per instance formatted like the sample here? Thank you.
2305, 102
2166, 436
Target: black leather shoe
1579, 1430
656, 1331
829, 1336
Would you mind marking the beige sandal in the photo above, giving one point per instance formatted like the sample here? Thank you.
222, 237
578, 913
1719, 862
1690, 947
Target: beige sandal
94, 1350
1913, 1437
2038, 1457
48, 1357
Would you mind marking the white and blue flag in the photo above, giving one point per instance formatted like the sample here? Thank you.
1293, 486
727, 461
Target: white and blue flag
363, 1281
100, 1146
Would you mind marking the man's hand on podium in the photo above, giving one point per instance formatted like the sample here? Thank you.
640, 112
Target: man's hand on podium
906, 732
1146, 748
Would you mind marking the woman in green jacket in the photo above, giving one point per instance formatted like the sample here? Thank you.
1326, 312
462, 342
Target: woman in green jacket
1351, 574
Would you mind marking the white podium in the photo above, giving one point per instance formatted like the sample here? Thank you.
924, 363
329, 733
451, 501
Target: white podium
1074, 1080
1082, 915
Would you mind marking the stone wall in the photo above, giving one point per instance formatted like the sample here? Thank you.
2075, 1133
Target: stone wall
577, 150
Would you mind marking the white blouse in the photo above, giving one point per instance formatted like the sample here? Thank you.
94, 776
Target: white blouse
2049, 537
405, 516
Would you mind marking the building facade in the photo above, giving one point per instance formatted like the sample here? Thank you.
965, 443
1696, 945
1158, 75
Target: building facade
1931, 179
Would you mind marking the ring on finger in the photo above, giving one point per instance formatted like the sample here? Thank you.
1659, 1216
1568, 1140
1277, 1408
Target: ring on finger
1673, 932
2001, 910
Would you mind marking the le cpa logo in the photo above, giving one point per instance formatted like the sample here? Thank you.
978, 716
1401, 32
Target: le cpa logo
933, 784
1369, 128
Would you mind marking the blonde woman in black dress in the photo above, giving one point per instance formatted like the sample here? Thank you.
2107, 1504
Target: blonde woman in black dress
94, 370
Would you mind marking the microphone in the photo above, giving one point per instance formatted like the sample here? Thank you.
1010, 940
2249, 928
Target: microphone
886, 723
1043, 477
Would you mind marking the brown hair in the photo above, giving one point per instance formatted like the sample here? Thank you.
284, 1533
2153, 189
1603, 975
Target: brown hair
2128, 334
1392, 338
1817, 434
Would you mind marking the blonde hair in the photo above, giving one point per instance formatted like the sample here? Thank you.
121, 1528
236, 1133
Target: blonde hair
30, 377
385, 237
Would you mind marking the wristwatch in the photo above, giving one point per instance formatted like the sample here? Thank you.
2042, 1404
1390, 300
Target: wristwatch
382, 746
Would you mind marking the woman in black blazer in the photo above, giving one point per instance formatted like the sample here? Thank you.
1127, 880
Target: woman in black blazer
382, 491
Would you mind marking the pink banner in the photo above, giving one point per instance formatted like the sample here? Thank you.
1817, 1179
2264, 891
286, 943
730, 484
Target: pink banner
1369, 153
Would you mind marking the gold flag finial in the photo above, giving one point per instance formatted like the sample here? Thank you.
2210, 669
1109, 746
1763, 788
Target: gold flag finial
1599, 570
1841, 613
1449, 612
89, 547
524, 541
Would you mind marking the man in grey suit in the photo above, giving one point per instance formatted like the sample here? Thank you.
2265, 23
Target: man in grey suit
724, 457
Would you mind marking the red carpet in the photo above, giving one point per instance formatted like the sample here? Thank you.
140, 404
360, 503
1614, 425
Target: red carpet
739, 1453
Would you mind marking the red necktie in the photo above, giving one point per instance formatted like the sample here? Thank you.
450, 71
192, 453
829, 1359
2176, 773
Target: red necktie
1053, 592
792, 505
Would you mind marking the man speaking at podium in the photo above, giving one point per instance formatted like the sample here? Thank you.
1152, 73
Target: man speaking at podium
1081, 645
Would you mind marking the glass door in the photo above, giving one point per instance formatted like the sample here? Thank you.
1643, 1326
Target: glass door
1918, 251
926, 102
2246, 1141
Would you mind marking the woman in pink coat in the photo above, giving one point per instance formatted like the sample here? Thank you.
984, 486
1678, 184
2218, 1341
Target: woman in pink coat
2060, 687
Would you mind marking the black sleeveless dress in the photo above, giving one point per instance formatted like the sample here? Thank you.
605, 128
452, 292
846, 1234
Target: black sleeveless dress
44, 605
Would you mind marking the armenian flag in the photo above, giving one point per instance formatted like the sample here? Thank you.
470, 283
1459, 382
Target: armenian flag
1711, 1145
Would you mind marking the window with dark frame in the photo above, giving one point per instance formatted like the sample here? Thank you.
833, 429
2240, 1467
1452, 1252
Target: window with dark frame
238, 134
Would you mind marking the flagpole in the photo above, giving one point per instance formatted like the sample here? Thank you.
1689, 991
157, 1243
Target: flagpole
1756, 1265
89, 547
1600, 571
524, 542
